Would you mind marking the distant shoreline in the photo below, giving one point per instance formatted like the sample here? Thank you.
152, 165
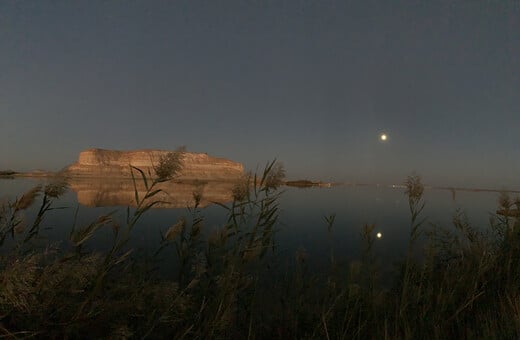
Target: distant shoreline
9, 174
320, 184
13, 174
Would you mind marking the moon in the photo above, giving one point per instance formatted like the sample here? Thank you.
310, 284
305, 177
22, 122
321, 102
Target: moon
383, 137
379, 235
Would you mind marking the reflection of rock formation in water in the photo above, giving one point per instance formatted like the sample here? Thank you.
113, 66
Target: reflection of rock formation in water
116, 164
99, 192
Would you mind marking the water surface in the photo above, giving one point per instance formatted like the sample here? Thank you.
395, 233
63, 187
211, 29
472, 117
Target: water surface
302, 226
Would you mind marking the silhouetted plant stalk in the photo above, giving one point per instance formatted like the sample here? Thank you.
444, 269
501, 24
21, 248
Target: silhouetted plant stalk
50, 191
12, 223
329, 220
169, 166
414, 191
10, 219
237, 249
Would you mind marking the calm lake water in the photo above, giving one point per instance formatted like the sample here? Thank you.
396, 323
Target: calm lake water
301, 226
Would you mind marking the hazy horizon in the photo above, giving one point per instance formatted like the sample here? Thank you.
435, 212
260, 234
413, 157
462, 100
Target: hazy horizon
313, 84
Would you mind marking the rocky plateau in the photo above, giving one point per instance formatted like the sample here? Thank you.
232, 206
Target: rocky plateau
99, 163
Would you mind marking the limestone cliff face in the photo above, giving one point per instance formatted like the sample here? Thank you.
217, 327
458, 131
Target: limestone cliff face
116, 164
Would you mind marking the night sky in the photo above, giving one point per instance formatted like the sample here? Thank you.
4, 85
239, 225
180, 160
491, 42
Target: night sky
311, 83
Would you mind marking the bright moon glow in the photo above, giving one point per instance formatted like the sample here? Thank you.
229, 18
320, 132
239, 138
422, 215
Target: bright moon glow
379, 235
383, 137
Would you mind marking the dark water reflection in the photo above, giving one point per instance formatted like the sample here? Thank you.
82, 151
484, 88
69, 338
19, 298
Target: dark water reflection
302, 226
386, 208
121, 192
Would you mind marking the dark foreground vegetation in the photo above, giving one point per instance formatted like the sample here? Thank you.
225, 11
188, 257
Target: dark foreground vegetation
233, 285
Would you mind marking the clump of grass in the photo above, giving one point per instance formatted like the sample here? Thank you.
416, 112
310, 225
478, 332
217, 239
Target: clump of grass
241, 189
170, 164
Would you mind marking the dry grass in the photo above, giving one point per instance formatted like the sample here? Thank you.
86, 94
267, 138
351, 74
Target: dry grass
233, 284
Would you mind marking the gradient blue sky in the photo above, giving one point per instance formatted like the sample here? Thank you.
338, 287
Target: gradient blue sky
312, 83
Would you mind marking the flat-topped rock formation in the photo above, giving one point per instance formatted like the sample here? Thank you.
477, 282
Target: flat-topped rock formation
116, 164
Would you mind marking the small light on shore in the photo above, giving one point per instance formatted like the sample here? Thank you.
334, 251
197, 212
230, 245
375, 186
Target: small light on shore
383, 137
379, 235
